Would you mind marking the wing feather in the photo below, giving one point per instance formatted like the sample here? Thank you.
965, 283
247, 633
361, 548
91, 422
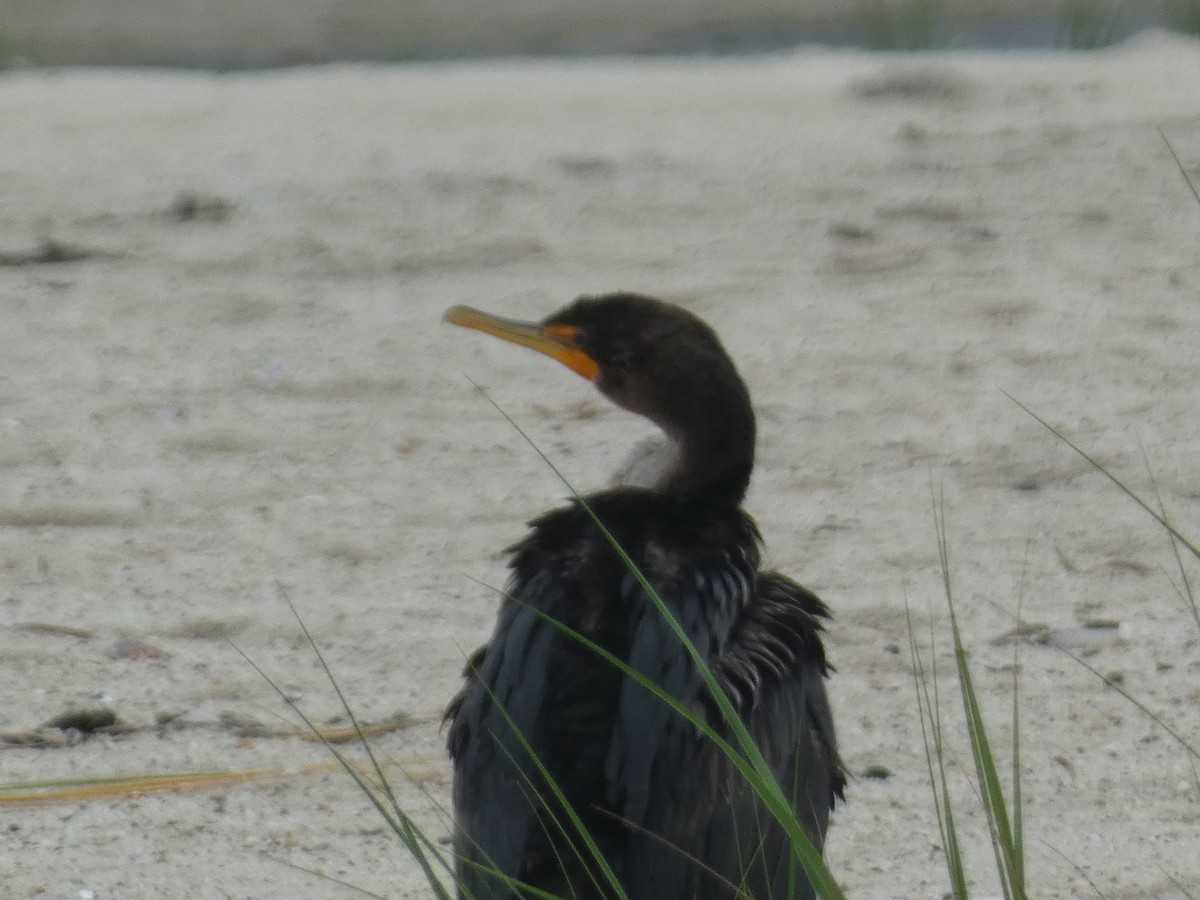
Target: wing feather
773, 667
493, 771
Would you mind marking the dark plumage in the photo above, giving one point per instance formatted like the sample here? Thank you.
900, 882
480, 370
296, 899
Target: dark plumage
671, 815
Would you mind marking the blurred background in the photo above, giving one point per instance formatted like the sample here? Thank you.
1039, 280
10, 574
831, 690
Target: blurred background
260, 33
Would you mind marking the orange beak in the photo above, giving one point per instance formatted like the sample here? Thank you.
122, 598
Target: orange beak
556, 341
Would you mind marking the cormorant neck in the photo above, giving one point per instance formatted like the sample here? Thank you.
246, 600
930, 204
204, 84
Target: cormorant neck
715, 457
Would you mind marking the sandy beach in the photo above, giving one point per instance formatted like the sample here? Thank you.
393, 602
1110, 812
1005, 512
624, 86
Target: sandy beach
223, 375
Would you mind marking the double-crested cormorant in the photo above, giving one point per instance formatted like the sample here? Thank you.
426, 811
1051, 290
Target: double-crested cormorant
671, 815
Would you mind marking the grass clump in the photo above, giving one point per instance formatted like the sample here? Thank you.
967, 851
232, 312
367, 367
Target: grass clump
1005, 821
1004, 816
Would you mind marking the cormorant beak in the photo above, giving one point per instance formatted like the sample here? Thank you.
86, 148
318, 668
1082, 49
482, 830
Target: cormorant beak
556, 341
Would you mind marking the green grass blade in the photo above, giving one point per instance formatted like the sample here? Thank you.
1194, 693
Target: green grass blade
1162, 134
411, 835
349, 711
1177, 539
1018, 815
325, 876
1018, 818
1004, 842
592, 849
940, 743
415, 841
931, 736
1129, 492
694, 718
752, 764
1159, 720
1175, 881
1186, 593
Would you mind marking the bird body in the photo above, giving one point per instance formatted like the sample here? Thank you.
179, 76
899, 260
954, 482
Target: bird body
670, 816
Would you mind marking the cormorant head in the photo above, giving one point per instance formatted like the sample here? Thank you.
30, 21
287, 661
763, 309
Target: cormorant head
652, 358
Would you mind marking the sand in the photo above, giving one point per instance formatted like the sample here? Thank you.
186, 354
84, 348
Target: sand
246, 387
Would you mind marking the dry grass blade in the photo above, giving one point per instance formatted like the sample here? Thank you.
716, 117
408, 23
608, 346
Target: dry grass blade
105, 787
102, 787
346, 734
